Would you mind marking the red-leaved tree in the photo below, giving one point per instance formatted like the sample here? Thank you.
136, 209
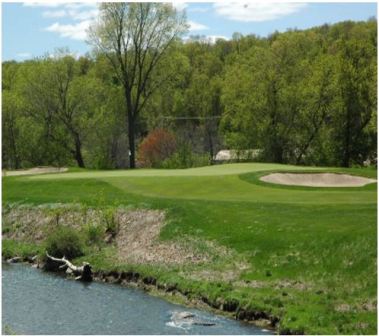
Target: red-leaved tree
159, 145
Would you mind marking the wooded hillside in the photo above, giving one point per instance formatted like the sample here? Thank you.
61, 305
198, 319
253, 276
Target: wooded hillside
304, 97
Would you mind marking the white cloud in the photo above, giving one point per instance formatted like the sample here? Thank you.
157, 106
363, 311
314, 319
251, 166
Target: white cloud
78, 5
54, 4
43, 4
256, 11
54, 14
74, 13
179, 6
198, 10
196, 26
74, 31
24, 55
83, 15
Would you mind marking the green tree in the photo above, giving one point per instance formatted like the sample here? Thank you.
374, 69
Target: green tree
135, 37
60, 98
357, 76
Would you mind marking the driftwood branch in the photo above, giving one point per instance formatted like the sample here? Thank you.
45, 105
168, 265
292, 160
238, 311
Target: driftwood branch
83, 273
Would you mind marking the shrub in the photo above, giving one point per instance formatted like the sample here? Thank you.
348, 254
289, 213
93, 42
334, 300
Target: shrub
185, 158
111, 224
64, 241
159, 145
94, 234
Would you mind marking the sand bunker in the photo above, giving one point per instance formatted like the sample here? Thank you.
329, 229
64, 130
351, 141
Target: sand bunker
317, 179
34, 171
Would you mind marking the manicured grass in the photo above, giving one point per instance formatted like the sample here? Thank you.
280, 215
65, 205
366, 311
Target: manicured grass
312, 250
216, 170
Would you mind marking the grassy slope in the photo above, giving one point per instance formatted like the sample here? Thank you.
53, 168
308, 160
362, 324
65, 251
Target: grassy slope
323, 238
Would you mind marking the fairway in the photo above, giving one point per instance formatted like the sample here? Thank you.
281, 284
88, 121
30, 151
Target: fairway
306, 251
229, 182
217, 170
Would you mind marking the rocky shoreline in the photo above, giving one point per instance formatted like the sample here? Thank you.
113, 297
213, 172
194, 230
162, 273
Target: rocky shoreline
172, 292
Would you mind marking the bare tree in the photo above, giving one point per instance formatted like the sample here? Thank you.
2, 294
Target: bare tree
135, 37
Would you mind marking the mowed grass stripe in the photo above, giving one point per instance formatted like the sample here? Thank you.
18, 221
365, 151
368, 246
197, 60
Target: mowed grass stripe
232, 188
225, 169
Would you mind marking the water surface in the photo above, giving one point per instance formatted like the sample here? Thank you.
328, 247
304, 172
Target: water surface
35, 302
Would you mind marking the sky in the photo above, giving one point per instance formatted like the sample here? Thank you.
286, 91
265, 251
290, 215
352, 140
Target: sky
33, 29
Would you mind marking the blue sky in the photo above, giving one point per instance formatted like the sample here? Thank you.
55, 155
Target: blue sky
35, 29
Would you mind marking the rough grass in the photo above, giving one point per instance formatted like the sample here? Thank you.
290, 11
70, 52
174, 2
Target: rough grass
311, 252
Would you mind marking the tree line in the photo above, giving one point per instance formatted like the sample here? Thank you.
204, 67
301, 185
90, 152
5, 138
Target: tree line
301, 97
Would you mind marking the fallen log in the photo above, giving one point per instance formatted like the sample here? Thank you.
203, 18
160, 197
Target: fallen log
82, 273
14, 260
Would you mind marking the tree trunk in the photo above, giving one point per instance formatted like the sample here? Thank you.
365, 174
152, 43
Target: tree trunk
78, 152
131, 128
210, 143
131, 134
347, 153
14, 148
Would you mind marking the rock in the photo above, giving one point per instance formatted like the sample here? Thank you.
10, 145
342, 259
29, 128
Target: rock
230, 305
204, 323
170, 287
183, 315
188, 318
128, 276
274, 320
161, 286
114, 274
205, 300
241, 314
149, 280
217, 304
111, 279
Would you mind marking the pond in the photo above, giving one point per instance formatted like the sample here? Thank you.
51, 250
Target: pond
35, 302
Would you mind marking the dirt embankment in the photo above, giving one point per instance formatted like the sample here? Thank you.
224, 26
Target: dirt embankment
136, 239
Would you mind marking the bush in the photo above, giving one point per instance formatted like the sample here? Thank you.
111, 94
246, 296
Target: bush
185, 158
94, 234
159, 145
111, 224
64, 241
